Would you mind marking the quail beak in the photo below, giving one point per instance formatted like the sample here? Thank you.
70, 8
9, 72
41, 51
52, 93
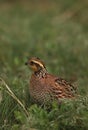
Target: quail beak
26, 63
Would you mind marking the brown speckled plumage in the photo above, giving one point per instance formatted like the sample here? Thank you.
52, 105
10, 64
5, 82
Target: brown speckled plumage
45, 87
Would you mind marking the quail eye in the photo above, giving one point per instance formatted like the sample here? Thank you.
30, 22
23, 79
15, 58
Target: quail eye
31, 63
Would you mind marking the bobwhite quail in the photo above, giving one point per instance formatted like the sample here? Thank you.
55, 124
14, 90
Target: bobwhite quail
45, 87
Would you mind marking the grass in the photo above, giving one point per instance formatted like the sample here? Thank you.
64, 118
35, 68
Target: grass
56, 32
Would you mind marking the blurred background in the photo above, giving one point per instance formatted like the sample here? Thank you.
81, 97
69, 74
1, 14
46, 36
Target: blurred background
55, 31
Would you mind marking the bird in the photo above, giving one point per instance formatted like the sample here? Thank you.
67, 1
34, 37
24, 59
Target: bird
44, 87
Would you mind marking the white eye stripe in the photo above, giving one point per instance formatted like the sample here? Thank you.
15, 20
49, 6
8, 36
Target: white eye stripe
40, 64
